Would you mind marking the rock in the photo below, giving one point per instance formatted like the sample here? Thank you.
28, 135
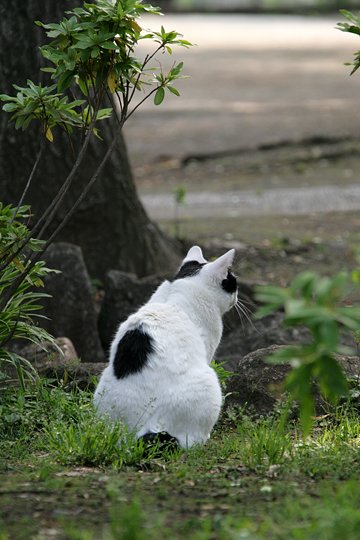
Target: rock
59, 361
82, 375
124, 294
243, 337
259, 385
255, 383
70, 308
63, 351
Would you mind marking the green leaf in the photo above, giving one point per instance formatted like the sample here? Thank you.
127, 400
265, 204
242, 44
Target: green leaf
109, 45
49, 135
10, 107
290, 354
82, 85
331, 378
173, 90
328, 335
65, 80
104, 113
298, 382
159, 95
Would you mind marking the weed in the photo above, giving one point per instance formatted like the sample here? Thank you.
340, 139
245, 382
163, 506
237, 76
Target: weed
263, 443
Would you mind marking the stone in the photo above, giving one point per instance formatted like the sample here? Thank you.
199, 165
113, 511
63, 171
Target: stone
62, 351
242, 337
70, 307
259, 385
58, 361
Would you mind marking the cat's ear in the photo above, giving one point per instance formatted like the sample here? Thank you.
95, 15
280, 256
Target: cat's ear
195, 254
221, 265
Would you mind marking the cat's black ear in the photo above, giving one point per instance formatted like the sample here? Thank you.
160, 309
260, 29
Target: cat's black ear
194, 254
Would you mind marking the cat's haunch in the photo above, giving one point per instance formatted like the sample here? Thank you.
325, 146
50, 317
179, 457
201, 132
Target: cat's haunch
159, 379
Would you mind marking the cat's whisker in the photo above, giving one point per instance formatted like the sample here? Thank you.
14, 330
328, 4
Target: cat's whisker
248, 313
248, 302
240, 314
244, 311
244, 307
249, 310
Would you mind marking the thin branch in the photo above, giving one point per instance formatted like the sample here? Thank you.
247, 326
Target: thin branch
31, 262
141, 102
79, 199
147, 59
47, 216
35, 166
121, 120
50, 211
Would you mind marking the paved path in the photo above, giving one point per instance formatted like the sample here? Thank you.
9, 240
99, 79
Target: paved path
253, 79
285, 202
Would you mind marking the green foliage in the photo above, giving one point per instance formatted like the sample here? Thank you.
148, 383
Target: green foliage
92, 50
315, 302
180, 195
43, 104
222, 373
263, 443
92, 441
352, 27
179, 199
17, 318
25, 413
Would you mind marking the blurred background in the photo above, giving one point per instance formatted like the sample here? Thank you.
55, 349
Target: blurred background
263, 143
258, 5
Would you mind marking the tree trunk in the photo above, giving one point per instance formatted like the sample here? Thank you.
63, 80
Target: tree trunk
111, 226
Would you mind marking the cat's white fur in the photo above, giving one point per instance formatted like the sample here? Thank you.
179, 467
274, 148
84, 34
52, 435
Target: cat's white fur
176, 391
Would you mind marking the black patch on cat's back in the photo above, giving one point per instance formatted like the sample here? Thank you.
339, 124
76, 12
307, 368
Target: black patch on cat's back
229, 284
189, 269
132, 353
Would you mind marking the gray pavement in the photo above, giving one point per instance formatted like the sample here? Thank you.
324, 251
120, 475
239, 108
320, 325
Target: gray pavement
241, 203
253, 80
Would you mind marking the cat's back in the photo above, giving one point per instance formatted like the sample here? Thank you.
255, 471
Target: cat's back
164, 334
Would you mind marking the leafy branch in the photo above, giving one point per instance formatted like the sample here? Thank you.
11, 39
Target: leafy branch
317, 303
352, 27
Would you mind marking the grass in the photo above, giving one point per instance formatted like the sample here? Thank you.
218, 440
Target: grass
64, 475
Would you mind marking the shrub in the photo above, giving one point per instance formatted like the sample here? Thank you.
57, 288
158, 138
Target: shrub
20, 308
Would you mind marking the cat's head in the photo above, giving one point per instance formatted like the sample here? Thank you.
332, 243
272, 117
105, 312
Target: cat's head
214, 277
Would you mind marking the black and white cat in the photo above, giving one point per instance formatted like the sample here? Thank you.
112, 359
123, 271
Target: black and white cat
158, 378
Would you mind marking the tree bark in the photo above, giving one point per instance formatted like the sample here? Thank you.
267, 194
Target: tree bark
111, 225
